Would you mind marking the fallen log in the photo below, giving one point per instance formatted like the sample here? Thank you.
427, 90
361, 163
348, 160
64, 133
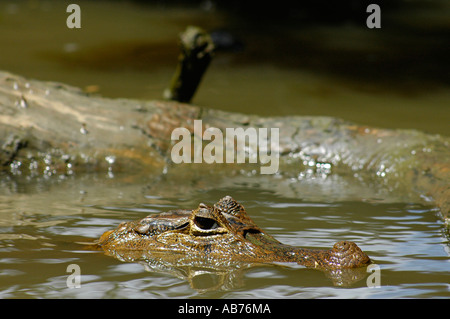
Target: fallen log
51, 128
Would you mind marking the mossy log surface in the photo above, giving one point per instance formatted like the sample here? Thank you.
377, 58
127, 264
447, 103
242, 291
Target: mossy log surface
52, 128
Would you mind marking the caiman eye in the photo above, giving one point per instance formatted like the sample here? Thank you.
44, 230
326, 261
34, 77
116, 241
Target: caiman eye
205, 223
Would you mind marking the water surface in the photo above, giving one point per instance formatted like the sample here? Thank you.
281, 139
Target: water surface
396, 77
43, 221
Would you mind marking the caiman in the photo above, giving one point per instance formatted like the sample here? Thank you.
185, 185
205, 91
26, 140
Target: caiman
223, 233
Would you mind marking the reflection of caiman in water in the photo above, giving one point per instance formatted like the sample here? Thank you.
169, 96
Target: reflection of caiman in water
217, 237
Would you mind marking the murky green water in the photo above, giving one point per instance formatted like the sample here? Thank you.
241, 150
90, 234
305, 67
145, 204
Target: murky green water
126, 50
396, 76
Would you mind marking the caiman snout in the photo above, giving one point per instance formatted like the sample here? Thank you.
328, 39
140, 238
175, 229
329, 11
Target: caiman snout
346, 254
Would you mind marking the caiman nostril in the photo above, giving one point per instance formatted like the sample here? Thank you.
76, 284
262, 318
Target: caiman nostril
343, 245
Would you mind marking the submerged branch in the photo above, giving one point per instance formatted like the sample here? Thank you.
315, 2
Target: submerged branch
197, 49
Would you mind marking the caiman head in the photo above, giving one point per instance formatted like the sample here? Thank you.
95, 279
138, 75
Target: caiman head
222, 232
219, 229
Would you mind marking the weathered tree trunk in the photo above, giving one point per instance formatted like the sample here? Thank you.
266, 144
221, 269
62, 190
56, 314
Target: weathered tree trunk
49, 128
